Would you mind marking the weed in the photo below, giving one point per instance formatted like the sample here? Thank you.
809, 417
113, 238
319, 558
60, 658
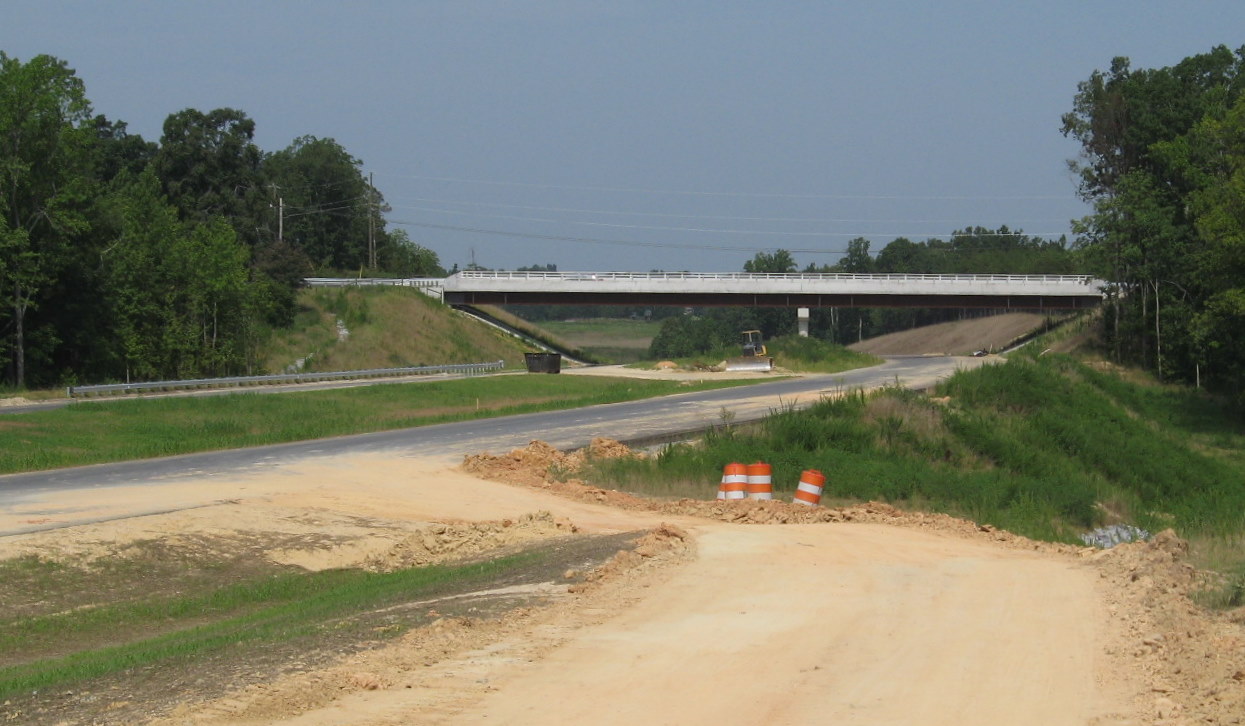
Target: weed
1043, 446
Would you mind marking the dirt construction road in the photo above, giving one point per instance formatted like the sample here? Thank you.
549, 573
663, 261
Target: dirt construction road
842, 622
853, 624
870, 616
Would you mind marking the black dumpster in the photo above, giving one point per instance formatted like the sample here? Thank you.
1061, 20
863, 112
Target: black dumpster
543, 362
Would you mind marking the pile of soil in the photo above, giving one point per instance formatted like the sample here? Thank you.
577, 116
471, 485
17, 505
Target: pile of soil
440, 542
1194, 658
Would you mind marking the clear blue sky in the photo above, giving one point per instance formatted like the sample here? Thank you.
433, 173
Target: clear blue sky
696, 132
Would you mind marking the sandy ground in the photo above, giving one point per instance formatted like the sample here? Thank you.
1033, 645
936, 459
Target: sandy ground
960, 337
864, 615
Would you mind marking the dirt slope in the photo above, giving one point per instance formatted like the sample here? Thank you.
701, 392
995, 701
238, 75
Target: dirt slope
960, 337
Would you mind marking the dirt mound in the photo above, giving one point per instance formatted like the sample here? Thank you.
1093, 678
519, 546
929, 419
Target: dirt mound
442, 542
1194, 658
539, 463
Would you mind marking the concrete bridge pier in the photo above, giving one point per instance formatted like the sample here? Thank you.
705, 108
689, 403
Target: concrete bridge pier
801, 316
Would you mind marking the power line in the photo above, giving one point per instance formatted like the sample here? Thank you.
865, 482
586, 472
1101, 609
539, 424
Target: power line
598, 241
668, 215
661, 245
711, 230
761, 195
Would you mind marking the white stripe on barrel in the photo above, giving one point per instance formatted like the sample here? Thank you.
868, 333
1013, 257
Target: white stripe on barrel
760, 484
734, 482
808, 491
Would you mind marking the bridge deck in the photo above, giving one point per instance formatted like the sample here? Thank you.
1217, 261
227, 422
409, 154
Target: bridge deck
812, 290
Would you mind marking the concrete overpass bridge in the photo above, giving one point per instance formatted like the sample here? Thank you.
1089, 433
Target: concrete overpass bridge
796, 290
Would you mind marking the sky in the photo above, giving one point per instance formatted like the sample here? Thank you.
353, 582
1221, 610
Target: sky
634, 136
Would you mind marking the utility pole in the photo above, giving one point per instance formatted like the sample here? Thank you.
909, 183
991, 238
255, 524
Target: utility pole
276, 190
371, 222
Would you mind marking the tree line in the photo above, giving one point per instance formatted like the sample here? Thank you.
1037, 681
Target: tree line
1163, 164
126, 259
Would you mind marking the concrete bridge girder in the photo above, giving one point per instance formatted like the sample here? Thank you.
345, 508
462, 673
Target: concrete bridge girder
767, 290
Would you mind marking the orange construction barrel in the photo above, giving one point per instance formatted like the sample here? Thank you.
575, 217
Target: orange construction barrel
760, 483
808, 491
734, 482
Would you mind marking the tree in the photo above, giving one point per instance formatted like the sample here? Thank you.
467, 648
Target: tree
178, 292
1151, 159
328, 202
210, 167
407, 259
779, 261
1219, 207
857, 259
43, 177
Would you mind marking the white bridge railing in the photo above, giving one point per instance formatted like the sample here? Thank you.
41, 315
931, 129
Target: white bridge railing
815, 276
375, 281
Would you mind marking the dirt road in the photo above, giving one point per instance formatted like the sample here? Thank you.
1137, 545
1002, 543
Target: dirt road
843, 623
853, 624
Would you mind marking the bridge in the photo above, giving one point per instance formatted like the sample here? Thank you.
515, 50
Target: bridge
796, 290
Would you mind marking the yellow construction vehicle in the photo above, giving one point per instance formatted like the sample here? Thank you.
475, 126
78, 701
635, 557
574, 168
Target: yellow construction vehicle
754, 356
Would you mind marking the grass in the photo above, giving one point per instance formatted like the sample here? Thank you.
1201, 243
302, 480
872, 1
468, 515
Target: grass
387, 328
790, 352
619, 340
251, 615
1047, 447
97, 432
535, 331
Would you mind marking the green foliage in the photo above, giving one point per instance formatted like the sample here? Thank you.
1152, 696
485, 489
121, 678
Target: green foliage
779, 261
690, 335
43, 187
179, 294
1164, 165
1035, 446
110, 277
812, 355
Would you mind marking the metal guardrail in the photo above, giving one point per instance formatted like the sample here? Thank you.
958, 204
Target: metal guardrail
238, 381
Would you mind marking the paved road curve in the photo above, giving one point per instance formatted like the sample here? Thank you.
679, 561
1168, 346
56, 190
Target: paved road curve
632, 421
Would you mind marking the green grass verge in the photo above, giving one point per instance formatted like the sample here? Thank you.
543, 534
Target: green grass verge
1047, 448
97, 432
790, 352
274, 610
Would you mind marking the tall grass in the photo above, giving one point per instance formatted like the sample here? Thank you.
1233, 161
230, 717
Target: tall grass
1044, 447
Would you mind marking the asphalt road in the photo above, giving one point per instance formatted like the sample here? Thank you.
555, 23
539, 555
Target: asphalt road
635, 421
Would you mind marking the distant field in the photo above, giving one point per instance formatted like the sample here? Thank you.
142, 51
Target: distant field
619, 340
